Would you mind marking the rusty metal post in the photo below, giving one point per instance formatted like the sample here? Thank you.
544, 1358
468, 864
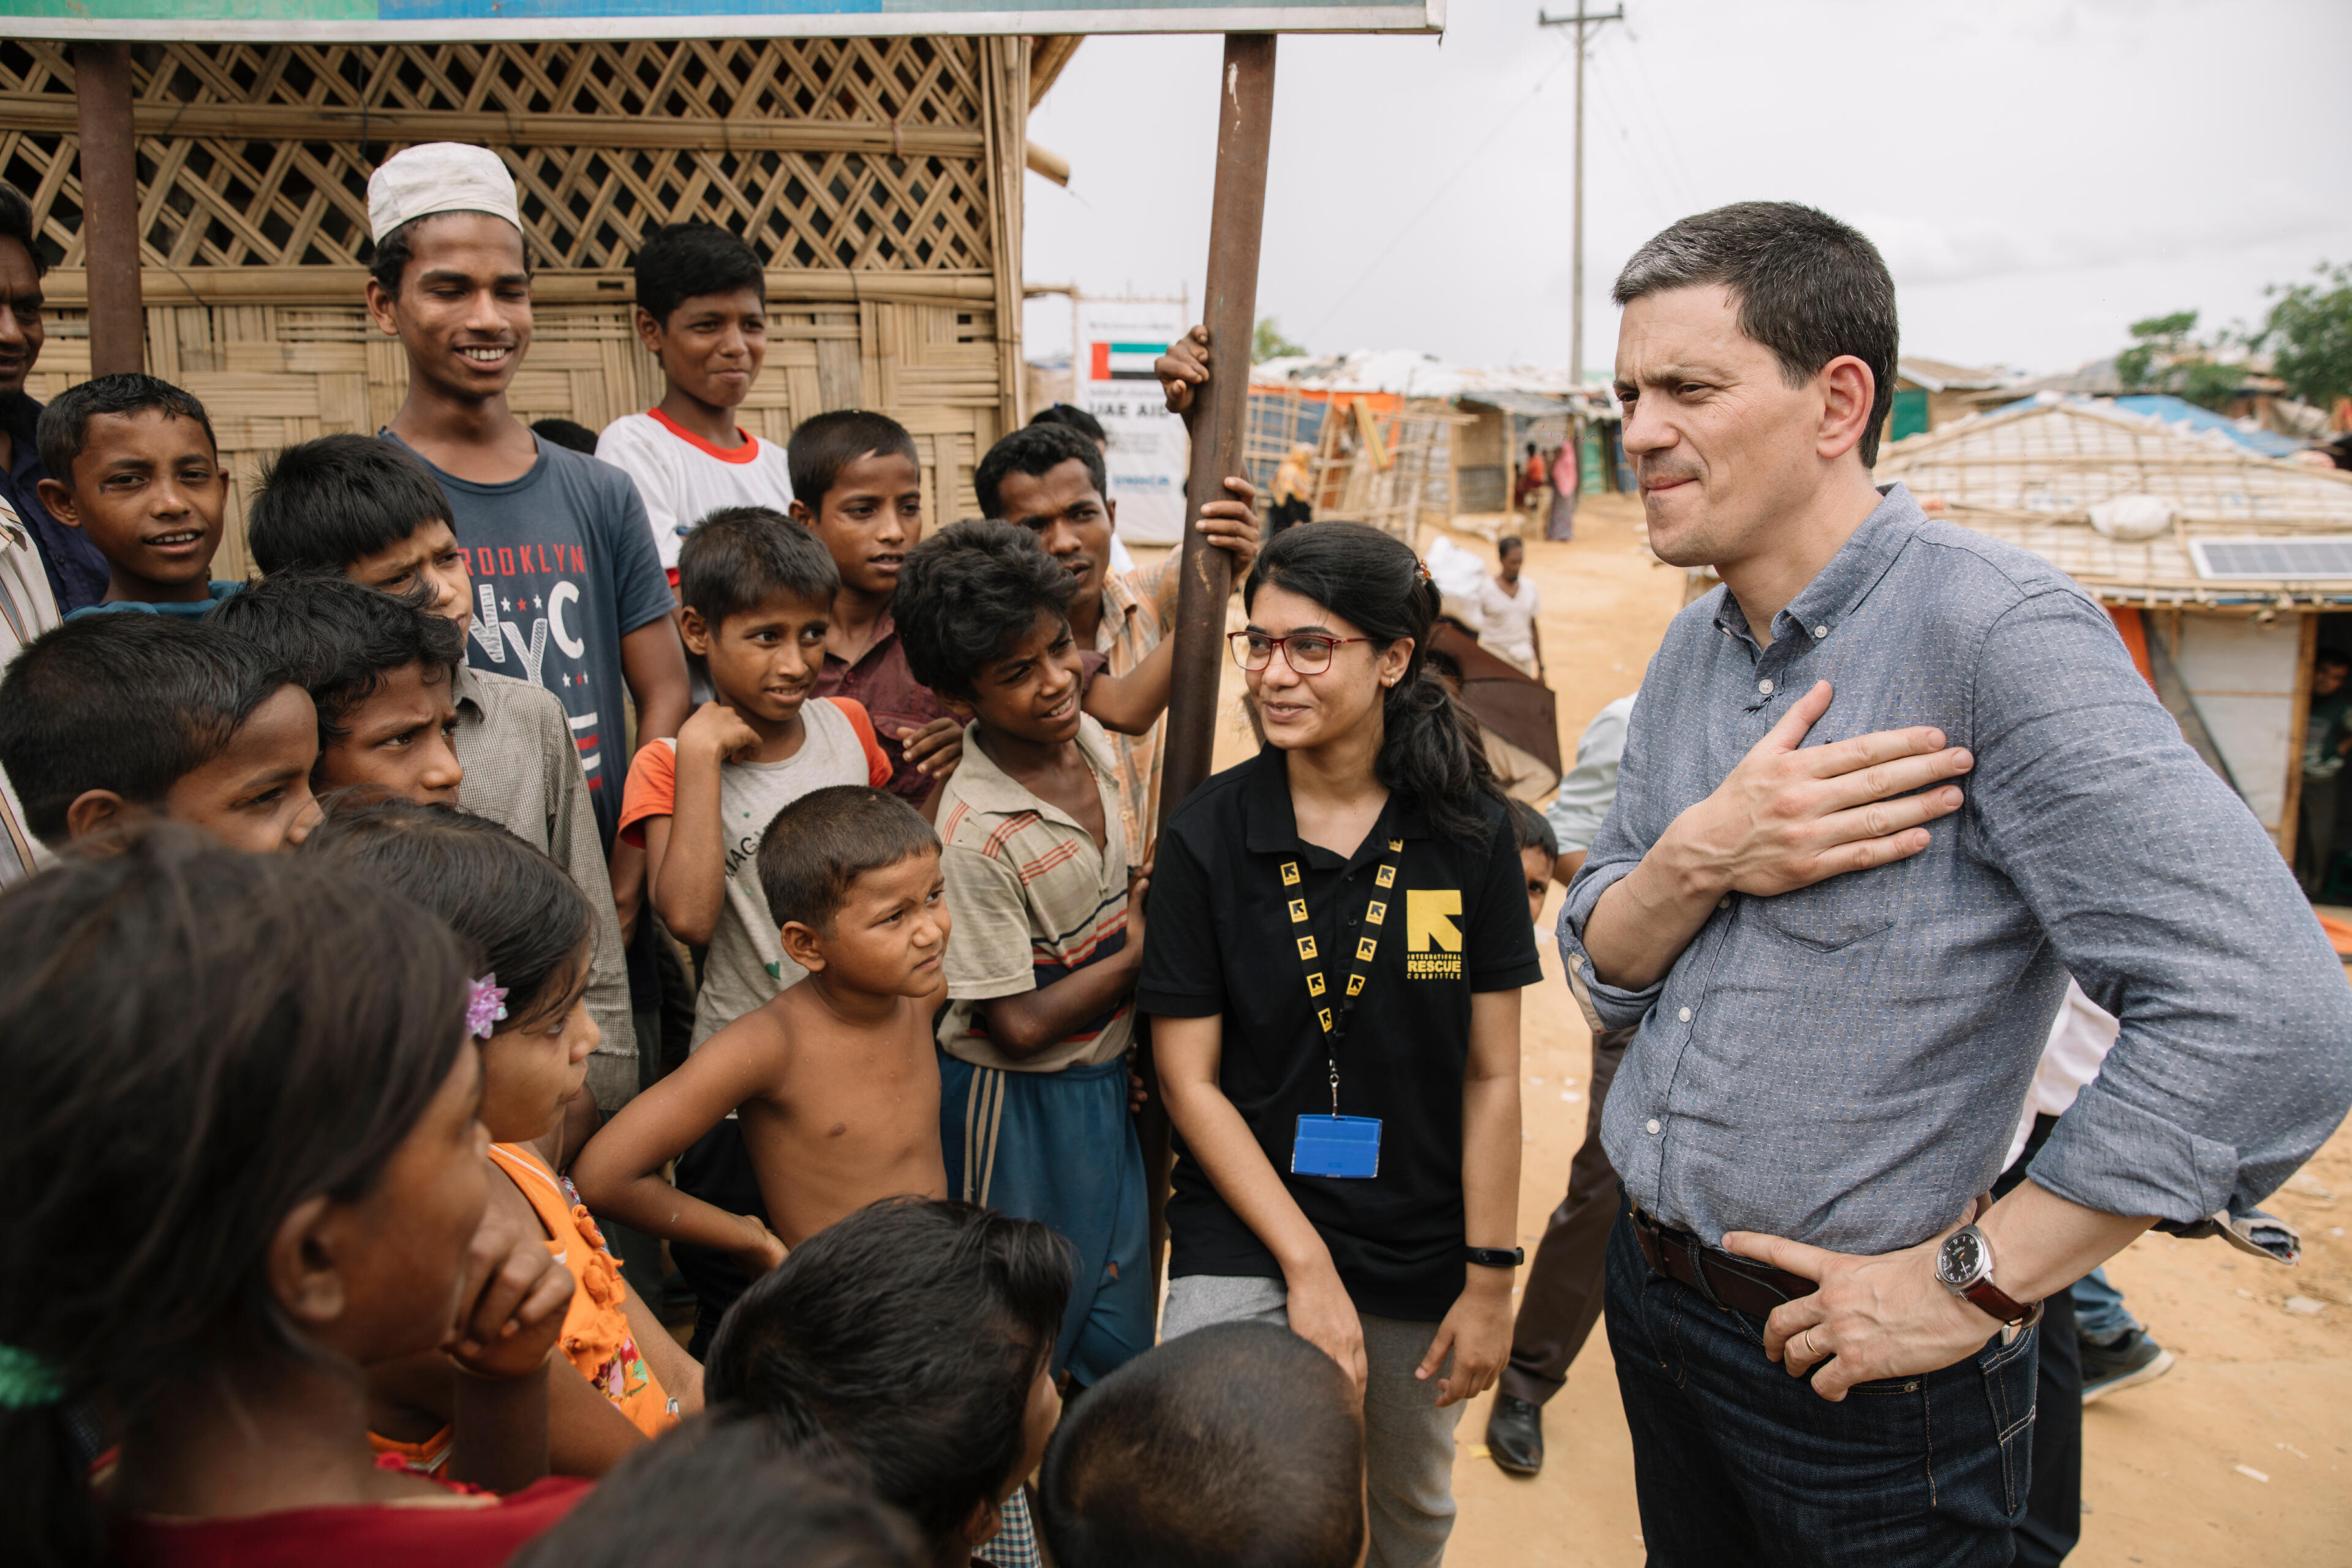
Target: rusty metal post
109, 207
1237, 216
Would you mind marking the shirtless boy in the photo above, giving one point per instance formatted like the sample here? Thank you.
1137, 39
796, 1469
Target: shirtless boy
835, 1080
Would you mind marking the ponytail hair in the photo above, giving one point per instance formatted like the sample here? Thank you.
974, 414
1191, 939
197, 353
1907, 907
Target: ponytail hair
1430, 751
196, 1041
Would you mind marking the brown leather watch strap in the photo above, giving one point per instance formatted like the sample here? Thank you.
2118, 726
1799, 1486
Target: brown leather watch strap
1991, 1300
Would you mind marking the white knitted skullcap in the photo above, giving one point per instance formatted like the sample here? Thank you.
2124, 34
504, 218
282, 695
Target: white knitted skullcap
439, 177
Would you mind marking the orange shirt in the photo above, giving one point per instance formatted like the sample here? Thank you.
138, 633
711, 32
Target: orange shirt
597, 1338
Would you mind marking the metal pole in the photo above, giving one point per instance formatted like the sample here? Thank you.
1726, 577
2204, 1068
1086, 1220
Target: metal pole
1581, 20
1219, 411
1576, 267
109, 207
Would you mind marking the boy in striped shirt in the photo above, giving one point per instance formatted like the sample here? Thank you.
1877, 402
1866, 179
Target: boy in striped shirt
1048, 927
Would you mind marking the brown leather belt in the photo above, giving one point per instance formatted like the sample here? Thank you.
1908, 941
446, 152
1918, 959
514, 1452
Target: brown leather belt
1736, 1282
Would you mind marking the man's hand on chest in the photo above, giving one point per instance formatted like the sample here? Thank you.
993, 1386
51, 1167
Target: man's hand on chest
1789, 815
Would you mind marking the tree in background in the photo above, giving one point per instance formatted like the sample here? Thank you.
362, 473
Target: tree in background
2309, 336
1267, 342
2167, 355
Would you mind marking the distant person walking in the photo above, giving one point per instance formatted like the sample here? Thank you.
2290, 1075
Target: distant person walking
1560, 1301
1293, 481
1507, 607
1535, 479
1566, 485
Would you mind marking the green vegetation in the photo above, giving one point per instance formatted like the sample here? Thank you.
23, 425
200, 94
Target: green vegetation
1267, 342
2309, 336
2167, 355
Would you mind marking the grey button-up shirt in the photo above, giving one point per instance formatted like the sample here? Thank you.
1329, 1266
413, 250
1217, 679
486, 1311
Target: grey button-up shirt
522, 771
1843, 1064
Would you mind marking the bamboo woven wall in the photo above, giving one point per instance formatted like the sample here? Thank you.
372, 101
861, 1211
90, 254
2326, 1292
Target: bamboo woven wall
880, 177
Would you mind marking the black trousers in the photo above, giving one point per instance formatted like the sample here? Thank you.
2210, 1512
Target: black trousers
1562, 1302
2054, 1508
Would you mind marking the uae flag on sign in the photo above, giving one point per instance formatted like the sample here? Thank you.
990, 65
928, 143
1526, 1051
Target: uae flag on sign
1125, 362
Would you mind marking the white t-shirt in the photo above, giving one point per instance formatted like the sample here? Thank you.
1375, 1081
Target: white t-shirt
683, 478
745, 963
1507, 621
2079, 1038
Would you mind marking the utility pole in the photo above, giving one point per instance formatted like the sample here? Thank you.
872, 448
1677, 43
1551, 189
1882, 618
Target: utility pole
1581, 20
1218, 419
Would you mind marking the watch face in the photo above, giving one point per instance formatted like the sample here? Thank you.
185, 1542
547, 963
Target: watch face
1961, 1260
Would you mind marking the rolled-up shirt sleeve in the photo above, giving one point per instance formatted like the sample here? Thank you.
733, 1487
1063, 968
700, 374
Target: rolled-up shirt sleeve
2174, 910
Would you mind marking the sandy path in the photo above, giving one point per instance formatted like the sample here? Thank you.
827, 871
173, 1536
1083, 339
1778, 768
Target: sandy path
2257, 1386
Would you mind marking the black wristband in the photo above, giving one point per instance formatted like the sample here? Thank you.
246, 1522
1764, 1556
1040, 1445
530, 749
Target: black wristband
1495, 1256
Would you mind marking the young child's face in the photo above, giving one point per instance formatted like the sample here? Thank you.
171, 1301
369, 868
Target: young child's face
463, 312
712, 346
430, 556
540, 1059
1029, 691
888, 935
149, 491
1069, 517
403, 1272
256, 795
870, 517
1537, 866
400, 740
763, 662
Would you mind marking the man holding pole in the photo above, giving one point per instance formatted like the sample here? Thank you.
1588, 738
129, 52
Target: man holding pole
1884, 789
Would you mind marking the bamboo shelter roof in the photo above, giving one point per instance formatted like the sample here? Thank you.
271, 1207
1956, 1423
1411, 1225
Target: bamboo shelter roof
2031, 474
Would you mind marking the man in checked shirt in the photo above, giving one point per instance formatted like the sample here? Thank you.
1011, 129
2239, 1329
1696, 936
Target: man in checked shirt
1884, 788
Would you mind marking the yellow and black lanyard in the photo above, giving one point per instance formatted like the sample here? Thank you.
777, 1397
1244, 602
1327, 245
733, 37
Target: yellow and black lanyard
1340, 1146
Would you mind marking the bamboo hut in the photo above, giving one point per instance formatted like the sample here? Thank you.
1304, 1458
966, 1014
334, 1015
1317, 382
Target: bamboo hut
1402, 439
2217, 563
880, 177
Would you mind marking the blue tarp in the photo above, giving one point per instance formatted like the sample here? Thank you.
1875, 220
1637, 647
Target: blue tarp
2174, 411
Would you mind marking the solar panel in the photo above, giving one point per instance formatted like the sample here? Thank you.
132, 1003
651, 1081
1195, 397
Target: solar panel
2300, 560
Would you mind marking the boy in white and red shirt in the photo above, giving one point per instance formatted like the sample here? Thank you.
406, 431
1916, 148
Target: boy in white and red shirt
758, 597
702, 312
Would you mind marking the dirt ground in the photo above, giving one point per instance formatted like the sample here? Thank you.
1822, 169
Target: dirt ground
2241, 1454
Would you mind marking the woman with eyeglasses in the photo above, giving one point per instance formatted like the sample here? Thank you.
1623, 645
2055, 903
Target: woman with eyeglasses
1338, 935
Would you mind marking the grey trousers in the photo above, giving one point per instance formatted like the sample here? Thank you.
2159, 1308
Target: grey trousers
1408, 1441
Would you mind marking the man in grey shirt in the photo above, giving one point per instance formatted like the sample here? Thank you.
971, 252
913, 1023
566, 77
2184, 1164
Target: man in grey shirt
1884, 789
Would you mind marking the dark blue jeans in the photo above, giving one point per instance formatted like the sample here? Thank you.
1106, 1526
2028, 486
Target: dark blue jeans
1736, 1462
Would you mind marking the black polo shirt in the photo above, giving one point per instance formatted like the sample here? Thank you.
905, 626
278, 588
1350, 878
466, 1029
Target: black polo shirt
1219, 939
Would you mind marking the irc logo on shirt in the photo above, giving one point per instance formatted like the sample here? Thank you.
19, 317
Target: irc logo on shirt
1432, 941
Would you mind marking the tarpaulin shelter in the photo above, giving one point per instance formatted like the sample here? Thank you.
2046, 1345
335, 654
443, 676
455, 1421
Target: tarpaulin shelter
2216, 561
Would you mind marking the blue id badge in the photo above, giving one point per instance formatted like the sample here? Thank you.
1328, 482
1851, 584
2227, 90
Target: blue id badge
1347, 1146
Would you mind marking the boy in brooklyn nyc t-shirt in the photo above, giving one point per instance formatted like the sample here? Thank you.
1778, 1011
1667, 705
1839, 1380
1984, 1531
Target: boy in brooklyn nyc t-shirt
568, 590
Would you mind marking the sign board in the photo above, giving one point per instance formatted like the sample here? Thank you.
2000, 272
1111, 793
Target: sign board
435, 21
1110, 378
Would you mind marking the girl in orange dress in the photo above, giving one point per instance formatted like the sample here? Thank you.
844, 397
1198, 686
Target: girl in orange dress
529, 924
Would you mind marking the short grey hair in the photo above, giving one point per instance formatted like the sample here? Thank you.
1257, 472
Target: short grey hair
1807, 287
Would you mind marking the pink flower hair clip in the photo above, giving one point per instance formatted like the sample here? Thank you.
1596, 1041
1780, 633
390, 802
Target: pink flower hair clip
486, 1004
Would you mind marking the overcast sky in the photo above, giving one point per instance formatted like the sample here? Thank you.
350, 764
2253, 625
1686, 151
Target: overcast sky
2038, 172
